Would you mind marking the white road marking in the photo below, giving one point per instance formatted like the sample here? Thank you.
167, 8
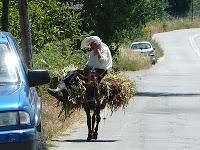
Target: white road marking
194, 45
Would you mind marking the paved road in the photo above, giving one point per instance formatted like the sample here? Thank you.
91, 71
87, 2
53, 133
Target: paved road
165, 115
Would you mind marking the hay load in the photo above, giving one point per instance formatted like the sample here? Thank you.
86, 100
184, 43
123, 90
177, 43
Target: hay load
115, 91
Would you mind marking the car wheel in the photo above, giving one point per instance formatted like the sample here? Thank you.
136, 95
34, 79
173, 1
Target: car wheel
40, 142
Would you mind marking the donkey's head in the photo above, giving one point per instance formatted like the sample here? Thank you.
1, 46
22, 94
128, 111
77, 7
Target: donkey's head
92, 80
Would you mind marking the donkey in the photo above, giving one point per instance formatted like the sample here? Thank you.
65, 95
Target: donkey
92, 102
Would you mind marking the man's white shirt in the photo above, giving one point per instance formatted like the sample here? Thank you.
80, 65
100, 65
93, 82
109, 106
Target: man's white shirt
105, 62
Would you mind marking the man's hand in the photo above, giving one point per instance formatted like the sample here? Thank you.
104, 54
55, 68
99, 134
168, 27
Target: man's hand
99, 53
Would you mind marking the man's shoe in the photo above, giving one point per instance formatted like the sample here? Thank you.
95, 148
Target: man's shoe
56, 93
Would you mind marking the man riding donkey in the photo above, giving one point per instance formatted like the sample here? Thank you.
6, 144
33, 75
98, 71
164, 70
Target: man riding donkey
100, 60
99, 63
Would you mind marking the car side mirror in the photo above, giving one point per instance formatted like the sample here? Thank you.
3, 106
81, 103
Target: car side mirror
38, 77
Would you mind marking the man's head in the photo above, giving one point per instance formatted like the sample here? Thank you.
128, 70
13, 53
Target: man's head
94, 46
92, 42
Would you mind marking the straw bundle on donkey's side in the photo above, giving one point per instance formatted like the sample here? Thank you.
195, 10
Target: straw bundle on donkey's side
116, 91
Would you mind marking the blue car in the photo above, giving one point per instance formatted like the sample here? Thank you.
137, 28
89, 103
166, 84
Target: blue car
20, 105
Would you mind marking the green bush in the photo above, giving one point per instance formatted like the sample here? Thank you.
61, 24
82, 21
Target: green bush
58, 56
124, 16
49, 21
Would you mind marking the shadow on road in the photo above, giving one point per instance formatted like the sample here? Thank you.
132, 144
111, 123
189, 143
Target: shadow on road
167, 94
84, 140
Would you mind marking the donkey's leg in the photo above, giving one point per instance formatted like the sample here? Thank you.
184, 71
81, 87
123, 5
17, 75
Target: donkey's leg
87, 110
93, 120
98, 119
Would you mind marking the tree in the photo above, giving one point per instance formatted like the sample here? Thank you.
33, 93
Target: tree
50, 21
178, 8
108, 18
195, 10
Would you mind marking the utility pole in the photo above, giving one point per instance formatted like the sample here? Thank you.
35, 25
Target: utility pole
5, 15
26, 42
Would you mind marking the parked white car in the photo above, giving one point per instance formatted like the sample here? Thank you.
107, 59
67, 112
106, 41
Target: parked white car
145, 48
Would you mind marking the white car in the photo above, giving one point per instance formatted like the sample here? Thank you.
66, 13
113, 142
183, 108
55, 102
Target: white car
144, 48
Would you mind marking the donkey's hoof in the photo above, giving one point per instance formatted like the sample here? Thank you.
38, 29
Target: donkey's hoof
95, 135
89, 138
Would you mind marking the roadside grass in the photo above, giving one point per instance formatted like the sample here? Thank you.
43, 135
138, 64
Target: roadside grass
128, 60
174, 24
158, 49
52, 125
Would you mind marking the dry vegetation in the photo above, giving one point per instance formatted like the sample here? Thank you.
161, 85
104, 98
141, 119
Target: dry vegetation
54, 126
127, 60
116, 91
174, 24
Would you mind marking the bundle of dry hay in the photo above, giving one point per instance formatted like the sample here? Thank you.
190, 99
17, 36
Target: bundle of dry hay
115, 90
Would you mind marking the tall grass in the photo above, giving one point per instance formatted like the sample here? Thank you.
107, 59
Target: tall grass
157, 48
174, 24
128, 60
54, 126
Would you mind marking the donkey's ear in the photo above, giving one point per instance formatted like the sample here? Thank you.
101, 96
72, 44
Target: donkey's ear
102, 75
82, 77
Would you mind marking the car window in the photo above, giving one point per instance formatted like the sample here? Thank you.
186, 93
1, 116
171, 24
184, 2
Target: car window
135, 46
8, 67
145, 45
141, 46
19, 53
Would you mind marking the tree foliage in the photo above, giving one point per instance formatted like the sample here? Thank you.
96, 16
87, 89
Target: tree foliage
110, 19
196, 8
50, 21
178, 7
57, 56
53, 21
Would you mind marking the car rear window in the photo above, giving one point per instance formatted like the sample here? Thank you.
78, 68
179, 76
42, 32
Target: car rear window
140, 46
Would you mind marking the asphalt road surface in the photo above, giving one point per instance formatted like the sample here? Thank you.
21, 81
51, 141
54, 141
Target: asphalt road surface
165, 115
